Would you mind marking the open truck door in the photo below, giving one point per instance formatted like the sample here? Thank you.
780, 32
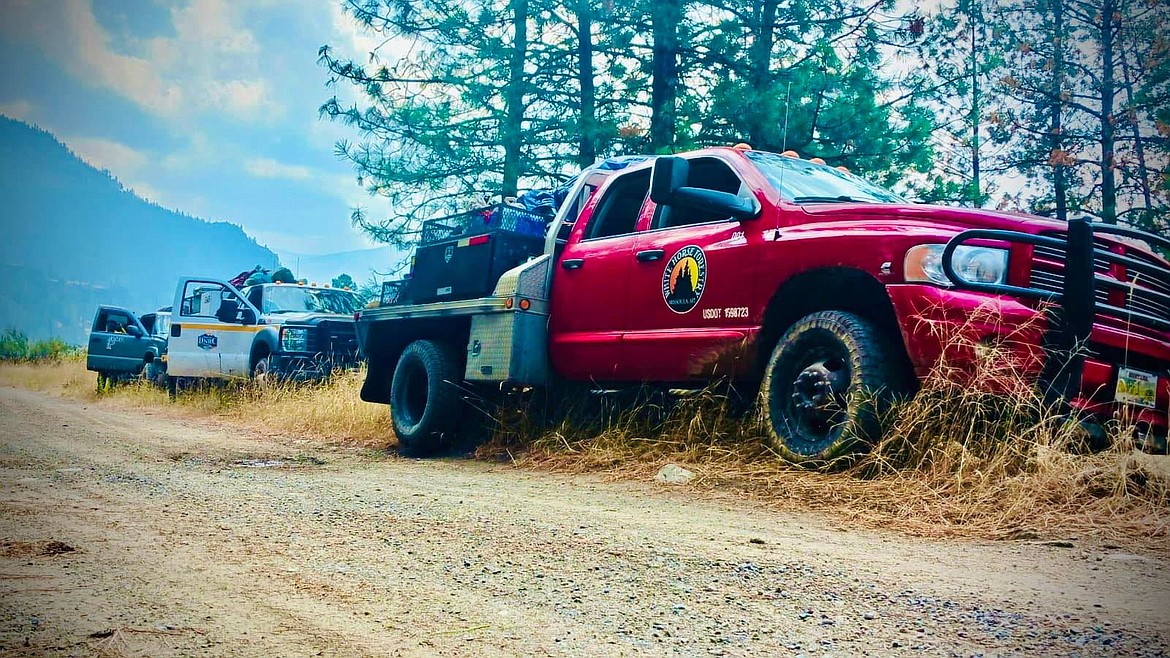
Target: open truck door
212, 330
118, 343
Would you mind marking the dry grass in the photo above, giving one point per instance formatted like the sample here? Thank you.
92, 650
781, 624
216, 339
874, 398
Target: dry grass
332, 411
955, 460
938, 472
67, 376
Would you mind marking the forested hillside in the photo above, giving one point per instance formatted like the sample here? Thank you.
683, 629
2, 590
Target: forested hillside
74, 237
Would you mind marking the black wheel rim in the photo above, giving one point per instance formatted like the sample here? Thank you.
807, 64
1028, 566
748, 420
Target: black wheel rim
812, 392
413, 399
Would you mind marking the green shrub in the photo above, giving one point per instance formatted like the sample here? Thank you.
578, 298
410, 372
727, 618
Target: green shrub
15, 346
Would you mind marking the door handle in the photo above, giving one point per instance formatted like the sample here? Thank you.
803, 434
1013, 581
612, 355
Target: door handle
573, 263
649, 255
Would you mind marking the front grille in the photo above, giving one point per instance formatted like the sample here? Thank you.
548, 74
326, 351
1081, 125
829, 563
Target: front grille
1124, 292
335, 340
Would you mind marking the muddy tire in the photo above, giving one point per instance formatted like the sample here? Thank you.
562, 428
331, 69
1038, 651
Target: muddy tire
262, 373
154, 374
824, 386
426, 403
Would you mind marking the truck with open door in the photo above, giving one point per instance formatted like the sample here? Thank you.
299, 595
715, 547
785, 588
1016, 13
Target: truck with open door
121, 347
289, 331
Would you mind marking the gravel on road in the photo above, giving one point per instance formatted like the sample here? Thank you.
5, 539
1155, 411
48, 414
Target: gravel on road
129, 533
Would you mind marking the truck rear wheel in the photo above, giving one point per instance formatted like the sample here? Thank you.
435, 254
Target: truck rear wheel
824, 386
425, 401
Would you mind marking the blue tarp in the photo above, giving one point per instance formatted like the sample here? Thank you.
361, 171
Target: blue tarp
546, 202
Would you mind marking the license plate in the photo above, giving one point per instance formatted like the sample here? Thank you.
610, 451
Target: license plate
1136, 387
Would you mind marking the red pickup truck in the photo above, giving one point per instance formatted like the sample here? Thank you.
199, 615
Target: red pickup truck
813, 286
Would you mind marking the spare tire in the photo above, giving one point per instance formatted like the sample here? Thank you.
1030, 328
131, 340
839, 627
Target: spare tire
425, 399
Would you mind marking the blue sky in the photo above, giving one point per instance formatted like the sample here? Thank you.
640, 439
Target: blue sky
205, 106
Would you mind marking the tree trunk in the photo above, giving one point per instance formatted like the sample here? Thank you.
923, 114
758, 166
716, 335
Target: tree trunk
1055, 132
977, 186
587, 125
512, 137
1108, 91
1139, 147
667, 14
760, 75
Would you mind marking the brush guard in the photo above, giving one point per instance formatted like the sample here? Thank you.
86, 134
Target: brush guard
1073, 304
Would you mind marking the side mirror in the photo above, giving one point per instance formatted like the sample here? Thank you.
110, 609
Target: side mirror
248, 316
668, 181
134, 331
715, 202
228, 311
667, 177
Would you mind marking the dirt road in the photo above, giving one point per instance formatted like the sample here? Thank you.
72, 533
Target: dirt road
132, 534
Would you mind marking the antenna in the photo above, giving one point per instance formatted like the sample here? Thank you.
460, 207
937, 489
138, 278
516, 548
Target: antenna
783, 148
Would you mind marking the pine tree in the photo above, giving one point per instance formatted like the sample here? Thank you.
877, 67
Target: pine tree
442, 128
1087, 79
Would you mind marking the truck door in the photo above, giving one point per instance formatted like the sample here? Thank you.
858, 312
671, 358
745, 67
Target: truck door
117, 343
690, 300
588, 313
209, 336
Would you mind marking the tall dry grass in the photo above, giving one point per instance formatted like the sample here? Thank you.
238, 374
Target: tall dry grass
978, 451
330, 411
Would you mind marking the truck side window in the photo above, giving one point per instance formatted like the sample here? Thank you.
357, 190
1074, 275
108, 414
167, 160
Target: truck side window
617, 213
112, 322
705, 173
202, 299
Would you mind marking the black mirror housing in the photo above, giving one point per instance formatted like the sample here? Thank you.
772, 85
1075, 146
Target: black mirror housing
668, 181
716, 202
667, 177
228, 311
248, 316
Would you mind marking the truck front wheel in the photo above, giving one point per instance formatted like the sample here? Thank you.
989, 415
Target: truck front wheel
824, 385
425, 401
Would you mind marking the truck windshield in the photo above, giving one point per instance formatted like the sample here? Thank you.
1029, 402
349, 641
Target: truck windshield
801, 181
296, 299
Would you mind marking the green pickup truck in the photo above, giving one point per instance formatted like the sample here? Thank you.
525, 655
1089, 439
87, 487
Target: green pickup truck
123, 346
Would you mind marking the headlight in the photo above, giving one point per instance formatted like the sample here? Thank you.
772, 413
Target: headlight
294, 339
975, 264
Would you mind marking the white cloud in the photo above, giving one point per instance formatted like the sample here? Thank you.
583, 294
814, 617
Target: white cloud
247, 98
17, 109
359, 42
107, 154
210, 65
93, 59
209, 22
269, 168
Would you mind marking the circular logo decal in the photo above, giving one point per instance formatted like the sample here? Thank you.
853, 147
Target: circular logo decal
684, 279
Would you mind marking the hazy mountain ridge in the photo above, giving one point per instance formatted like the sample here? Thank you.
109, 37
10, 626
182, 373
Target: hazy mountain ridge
361, 264
74, 236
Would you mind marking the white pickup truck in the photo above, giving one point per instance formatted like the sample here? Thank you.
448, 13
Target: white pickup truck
287, 330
